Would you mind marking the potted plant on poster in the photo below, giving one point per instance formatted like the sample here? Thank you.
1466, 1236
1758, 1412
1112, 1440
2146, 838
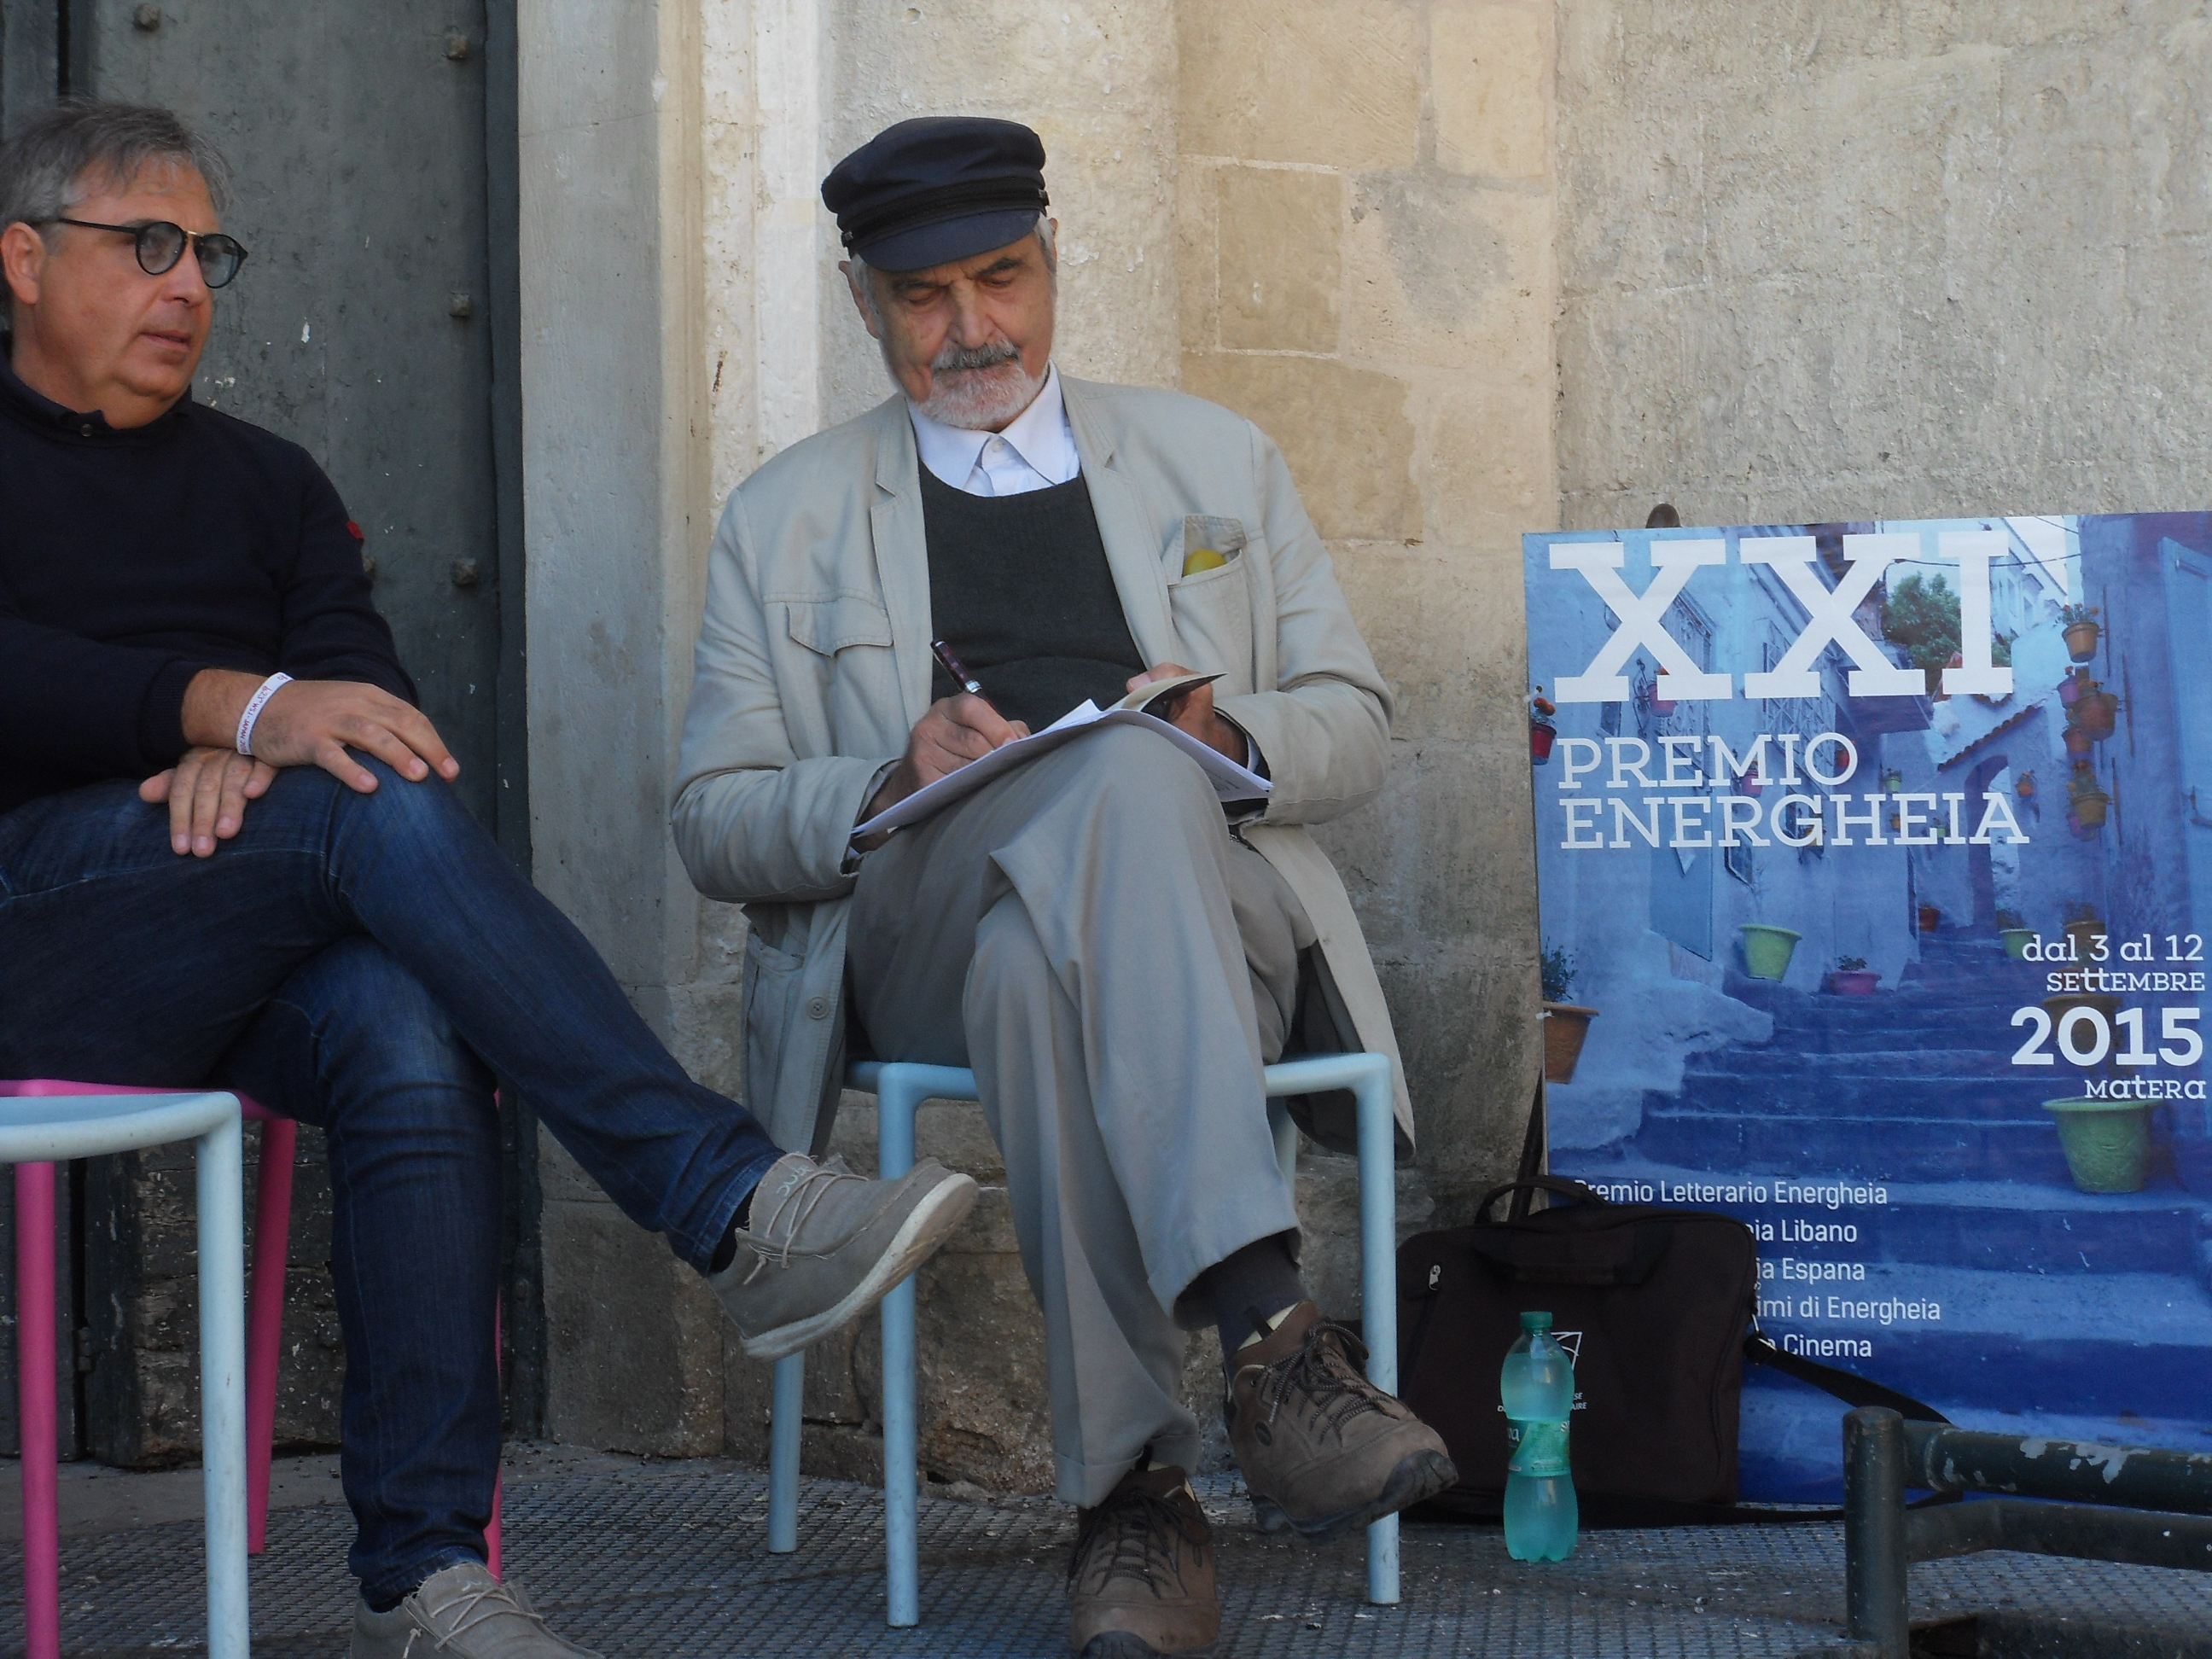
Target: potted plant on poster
2014, 934
2088, 801
2096, 711
1541, 732
2078, 741
1930, 918
1853, 978
2081, 630
1767, 949
2083, 928
2106, 1142
1566, 1025
2070, 689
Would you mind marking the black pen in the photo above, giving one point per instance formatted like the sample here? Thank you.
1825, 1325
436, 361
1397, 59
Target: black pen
950, 664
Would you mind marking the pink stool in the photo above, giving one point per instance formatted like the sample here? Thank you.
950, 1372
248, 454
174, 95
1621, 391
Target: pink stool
35, 1354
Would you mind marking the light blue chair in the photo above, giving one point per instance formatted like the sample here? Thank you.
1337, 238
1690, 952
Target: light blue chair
36, 1132
900, 1087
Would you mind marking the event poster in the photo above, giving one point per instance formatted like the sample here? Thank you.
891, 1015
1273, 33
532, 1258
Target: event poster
1876, 870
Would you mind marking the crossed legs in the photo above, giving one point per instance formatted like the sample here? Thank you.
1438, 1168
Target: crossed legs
1117, 968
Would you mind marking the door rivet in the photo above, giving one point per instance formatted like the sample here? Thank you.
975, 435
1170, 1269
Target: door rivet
146, 18
457, 47
461, 305
465, 574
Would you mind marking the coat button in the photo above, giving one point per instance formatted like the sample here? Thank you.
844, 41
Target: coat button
817, 1007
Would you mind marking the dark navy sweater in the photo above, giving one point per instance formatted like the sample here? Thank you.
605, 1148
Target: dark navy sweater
130, 560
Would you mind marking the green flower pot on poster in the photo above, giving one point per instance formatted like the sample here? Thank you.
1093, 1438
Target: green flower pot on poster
2106, 1142
1766, 951
2016, 941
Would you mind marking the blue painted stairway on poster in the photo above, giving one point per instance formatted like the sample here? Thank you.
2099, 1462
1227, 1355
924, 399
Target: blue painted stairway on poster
1913, 1090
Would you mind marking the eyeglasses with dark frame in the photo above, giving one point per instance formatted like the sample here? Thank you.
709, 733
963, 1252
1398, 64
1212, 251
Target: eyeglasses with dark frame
161, 244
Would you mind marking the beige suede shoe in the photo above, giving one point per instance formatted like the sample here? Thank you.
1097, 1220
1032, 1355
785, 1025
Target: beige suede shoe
1141, 1585
463, 1613
1323, 1449
823, 1245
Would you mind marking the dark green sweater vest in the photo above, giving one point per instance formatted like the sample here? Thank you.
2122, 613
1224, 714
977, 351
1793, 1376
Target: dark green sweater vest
1019, 588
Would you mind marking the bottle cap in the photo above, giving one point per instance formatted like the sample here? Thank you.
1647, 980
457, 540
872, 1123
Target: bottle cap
1536, 1322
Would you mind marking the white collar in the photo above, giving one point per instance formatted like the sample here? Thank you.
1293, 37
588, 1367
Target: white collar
1040, 435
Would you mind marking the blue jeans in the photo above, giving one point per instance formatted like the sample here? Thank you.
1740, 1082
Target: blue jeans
368, 963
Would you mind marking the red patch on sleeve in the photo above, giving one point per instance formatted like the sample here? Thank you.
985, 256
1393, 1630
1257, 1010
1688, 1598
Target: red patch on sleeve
354, 530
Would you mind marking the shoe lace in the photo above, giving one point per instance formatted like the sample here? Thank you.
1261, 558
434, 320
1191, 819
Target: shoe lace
479, 1604
1325, 1369
1142, 1530
795, 1203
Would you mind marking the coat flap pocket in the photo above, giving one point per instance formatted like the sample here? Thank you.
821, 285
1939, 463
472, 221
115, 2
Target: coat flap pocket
828, 624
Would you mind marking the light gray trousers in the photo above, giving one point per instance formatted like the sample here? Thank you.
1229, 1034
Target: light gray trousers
1116, 967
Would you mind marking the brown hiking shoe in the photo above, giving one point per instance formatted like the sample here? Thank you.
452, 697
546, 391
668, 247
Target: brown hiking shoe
1141, 1584
1323, 1449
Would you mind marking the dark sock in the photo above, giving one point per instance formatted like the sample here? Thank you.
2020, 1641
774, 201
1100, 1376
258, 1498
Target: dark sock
386, 1606
727, 1251
1249, 1287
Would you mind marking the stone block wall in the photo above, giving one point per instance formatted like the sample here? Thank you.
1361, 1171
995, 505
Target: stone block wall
1891, 260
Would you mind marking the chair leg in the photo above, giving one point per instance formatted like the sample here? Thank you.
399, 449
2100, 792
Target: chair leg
498, 1481
1378, 1276
222, 1385
896, 1103
785, 1421
264, 1316
34, 1394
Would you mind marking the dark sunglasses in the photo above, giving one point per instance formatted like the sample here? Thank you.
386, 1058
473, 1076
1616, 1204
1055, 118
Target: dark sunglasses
161, 244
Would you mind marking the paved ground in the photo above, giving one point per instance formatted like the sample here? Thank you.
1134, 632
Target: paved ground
666, 1561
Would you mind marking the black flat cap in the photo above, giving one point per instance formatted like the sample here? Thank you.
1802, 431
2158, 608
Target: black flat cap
937, 189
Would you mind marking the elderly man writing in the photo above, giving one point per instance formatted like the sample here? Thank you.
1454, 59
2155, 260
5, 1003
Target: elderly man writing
1115, 955
229, 854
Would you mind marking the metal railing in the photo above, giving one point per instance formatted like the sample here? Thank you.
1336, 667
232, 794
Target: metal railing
2129, 1504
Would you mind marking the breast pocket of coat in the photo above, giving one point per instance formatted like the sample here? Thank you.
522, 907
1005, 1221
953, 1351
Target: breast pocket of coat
846, 643
1211, 606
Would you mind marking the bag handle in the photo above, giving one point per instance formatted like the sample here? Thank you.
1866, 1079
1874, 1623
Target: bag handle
1847, 1386
1559, 1184
1532, 1158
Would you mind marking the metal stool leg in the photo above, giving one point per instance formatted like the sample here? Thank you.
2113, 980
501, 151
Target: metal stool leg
783, 1425
36, 1421
222, 1385
895, 1101
1378, 1280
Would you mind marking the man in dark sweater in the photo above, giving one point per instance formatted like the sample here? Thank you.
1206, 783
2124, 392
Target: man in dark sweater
229, 856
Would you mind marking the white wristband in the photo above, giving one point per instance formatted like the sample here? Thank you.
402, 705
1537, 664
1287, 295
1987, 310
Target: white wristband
268, 689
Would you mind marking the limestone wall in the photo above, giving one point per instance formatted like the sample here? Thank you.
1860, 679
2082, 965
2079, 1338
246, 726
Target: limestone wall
1822, 260
1333, 216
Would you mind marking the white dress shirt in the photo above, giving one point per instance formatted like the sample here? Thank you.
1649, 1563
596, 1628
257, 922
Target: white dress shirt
1036, 451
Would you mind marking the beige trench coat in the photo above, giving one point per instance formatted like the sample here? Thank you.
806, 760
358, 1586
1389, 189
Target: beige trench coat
813, 665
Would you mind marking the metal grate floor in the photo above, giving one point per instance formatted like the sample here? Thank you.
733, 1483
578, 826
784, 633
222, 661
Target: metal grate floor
667, 1561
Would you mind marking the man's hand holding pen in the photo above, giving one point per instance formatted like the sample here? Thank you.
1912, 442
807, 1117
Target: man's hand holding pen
957, 730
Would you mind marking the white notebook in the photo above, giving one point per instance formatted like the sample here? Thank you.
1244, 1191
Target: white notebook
1230, 781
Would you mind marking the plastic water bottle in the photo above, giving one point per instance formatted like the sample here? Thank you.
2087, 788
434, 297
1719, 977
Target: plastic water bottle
1538, 1390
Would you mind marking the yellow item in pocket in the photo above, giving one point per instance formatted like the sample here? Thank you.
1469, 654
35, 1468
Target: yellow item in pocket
1204, 559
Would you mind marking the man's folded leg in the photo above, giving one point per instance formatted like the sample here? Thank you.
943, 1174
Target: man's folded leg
106, 930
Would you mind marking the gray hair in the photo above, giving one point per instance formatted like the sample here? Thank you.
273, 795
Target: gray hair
65, 150
867, 290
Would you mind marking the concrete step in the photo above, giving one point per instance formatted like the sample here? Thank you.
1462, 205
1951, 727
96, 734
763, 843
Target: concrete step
1853, 1062
1996, 1226
1891, 1148
1900, 1089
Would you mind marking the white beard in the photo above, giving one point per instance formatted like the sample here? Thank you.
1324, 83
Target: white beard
981, 401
